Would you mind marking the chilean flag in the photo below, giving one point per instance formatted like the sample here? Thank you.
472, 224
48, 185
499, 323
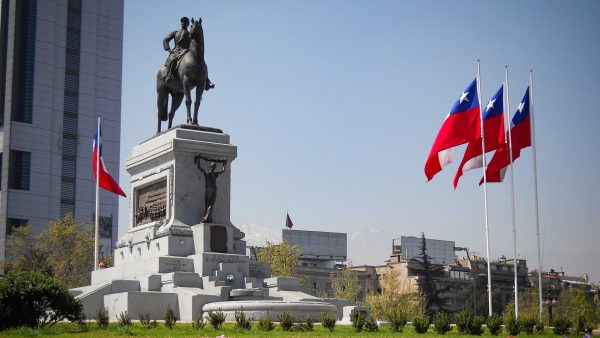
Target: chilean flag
493, 128
462, 125
105, 181
521, 138
288, 221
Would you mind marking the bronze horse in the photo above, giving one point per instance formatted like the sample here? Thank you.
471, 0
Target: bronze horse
192, 73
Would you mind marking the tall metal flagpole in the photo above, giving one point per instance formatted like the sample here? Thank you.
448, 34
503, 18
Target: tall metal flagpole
535, 180
512, 191
97, 221
487, 229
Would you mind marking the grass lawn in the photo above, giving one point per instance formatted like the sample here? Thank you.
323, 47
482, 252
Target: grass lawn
228, 330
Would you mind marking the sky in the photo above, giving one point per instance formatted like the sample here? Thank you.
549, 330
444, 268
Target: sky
334, 106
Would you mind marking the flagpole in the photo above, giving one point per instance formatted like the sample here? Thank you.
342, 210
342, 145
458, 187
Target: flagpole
97, 220
535, 181
512, 192
487, 229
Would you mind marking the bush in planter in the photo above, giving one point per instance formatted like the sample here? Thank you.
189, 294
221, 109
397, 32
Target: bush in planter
371, 324
123, 319
562, 326
170, 319
198, 323
33, 299
102, 318
441, 323
494, 324
527, 324
512, 325
242, 321
215, 318
265, 324
421, 324
286, 321
146, 322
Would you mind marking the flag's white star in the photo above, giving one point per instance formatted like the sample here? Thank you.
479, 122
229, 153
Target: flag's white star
521, 107
463, 97
490, 105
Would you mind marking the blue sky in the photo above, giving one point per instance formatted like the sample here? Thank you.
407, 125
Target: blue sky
334, 106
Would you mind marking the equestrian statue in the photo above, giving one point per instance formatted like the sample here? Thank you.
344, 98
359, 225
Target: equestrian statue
184, 70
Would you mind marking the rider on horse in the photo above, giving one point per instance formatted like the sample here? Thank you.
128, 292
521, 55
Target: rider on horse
182, 46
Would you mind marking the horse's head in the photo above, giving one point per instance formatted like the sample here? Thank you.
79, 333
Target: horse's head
196, 31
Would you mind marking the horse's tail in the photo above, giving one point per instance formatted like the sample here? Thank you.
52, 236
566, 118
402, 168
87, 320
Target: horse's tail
165, 114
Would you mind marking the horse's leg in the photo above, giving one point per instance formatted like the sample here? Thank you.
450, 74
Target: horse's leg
161, 102
175, 103
188, 99
198, 98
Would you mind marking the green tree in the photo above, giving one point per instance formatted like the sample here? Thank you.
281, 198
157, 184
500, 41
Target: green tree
427, 272
345, 284
283, 258
396, 297
63, 250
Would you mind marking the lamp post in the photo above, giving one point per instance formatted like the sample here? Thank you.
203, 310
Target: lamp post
550, 301
474, 282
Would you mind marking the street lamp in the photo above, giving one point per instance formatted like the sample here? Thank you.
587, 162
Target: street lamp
474, 280
550, 302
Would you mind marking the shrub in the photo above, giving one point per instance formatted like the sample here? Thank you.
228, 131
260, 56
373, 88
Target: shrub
421, 323
146, 322
512, 326
527, 324
397, 319
476, 326
307, 325
242, 321
33, 299
371, 324
102, 317
328, 320
286, 321
494, 324
170, 319
198, 323
123, 319
441, 323
562, 326
539, 327
358, 320
215, 318
463, 321
583, 326
265, 324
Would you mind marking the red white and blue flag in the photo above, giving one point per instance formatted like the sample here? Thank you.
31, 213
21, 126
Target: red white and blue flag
493, 128
106, 181
521, 138
288, 221
461, 126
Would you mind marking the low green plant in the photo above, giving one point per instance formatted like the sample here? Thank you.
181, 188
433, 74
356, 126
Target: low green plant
170, 319
266, 324
102, 317
463, 321
582, 325
494, 324
511, 325
242, 321
123, 319
371, 324
286, 321
358, 320
397, 319
215, 318
146, 322
441, 323
421, 323
539, 327
476, 326
307, 325
527, 324
328, 321
562, 326
198, 323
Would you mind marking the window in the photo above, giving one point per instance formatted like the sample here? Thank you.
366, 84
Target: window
12, 223
19, 170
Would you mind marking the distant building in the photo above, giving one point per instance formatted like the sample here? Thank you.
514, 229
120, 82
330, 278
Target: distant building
60, 66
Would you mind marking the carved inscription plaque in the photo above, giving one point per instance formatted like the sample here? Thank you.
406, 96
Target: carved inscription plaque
151, 204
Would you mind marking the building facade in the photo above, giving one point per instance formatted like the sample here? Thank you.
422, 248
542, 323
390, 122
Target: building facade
60, 67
